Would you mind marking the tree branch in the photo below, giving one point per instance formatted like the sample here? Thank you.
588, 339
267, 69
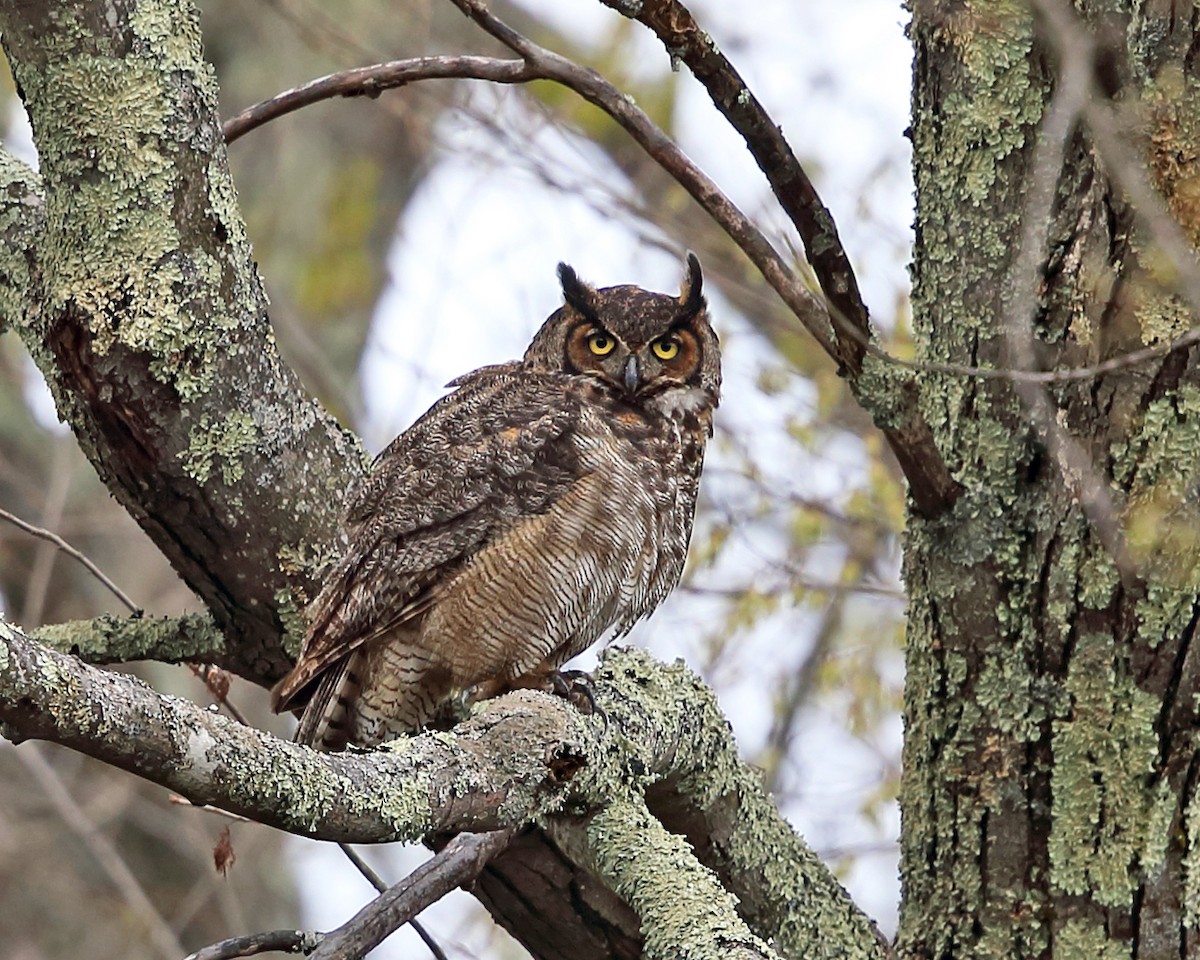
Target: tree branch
685, 912
191, 638
497, 772
518, 760
674, 25
888, 395
456, 864
273, 941
373, 80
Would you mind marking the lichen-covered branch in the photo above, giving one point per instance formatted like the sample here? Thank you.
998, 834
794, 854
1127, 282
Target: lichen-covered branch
137, 297
686, 913
517, 761
22, 223
703, 791
500, 769
191, 638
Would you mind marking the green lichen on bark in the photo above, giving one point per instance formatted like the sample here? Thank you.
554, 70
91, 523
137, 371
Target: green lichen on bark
973, 706
110, 639
685, 913
112, 126
785, 889
1084, 940
1105, 818
145, 313
1191, 862
224, 445
1158, 464
22, 219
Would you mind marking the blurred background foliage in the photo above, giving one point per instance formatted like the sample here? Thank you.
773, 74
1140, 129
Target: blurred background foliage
791, 607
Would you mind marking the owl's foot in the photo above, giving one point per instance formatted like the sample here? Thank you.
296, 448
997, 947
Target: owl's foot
575, 686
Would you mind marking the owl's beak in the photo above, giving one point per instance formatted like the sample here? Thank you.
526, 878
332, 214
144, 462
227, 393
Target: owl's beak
633, 376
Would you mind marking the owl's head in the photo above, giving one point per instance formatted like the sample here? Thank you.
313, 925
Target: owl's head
656, 350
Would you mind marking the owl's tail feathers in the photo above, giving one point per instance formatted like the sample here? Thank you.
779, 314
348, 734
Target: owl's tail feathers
327, 723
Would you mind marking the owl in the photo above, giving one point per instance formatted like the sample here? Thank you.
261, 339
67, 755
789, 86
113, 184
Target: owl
543, 503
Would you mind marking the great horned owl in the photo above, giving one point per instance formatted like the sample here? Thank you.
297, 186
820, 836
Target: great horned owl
540, 504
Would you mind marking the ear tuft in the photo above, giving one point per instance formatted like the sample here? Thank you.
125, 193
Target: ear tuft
577, 293
691, 296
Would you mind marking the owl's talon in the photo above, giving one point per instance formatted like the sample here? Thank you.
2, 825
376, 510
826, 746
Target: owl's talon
575, 686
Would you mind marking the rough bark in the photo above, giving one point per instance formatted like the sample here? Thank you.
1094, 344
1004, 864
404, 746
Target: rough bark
136, 294
1049, 761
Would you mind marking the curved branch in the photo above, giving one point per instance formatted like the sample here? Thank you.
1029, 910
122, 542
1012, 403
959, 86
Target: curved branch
373, 80
500, 770
674, 25
272, 941
889, 396
685, 912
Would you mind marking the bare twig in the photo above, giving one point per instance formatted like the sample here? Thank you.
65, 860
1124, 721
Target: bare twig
42, 569
179, 801
105, 854
363, 867
215, 680
458, 863
684, 40
66, 548
274, 941
376, 881
809, 309
373, 80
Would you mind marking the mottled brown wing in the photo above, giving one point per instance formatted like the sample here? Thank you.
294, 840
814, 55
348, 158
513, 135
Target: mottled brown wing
482, 457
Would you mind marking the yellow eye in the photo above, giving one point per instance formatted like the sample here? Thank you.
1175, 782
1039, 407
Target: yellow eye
665, 349
601, 343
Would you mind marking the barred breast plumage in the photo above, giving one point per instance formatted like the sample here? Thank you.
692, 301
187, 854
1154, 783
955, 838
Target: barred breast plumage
540, 505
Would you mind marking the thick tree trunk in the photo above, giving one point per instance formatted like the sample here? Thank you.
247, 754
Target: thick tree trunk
1049, 764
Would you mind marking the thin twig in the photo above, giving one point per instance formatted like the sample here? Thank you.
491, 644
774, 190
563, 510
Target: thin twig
214, 679
364, 868
274, 941
41, 572
809, 309
373, 80
66, 548
103, 851
377, 882
458, 863
207, 808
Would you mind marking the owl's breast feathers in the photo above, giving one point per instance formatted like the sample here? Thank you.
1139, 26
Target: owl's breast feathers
519, 519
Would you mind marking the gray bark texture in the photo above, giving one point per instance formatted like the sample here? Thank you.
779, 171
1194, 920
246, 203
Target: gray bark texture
126, 272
